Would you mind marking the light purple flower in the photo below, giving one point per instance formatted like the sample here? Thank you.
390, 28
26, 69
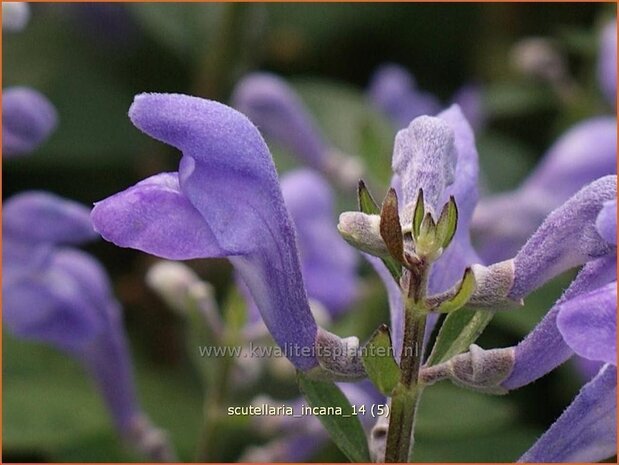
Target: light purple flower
62, 296
503, 222
328, 263
607, 62
606, 222
225, 201
28, 119
546, 347
582, 322
275, 108
587, 430
588, 324
394, 92
270, 103
566, 239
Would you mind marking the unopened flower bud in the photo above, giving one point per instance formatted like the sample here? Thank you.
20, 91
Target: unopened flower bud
339, 358
151, 441
493, 285
171, 281
479, 369
538, 57
363, 232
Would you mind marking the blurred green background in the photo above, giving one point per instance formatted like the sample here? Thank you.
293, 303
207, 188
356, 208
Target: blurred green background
90, 60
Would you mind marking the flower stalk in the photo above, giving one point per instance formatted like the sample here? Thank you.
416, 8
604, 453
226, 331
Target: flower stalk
406, 395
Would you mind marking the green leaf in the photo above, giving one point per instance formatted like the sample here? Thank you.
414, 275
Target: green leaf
463, 294
345, 429
367, 204
378, 361
459, 330
447, 223
418, 215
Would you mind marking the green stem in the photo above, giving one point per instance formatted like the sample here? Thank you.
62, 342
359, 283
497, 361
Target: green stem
406, 395
213, 411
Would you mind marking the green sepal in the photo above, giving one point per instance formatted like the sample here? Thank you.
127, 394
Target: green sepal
447, 223
418, 214
345, 429
367, 204
462, 295
426, 243
459, 330
428, 226
378, 361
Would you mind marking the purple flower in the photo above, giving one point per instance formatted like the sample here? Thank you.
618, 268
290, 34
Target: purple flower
328, 263
582, 322
587, 151
61, 296
586, 431
28, 119
606, 222
394, 92
567, 238
225, 201
607, 62
545, 347
273, 106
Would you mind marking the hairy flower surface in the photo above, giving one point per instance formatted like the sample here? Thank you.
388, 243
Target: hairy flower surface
329, 265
